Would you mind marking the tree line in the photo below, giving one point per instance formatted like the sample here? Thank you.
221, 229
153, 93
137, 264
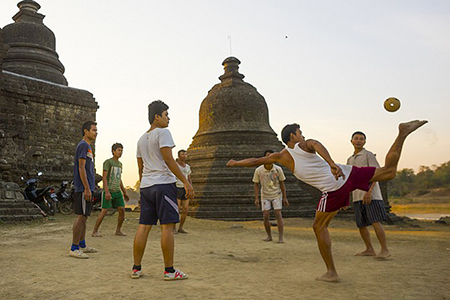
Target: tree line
427, 178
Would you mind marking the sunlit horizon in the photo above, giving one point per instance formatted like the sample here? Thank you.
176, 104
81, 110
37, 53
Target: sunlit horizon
327, 65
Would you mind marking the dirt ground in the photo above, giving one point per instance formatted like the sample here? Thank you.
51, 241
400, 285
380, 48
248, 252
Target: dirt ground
225, 260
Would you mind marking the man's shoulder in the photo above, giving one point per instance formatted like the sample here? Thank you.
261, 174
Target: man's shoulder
82, 144
258, 169
278, 168
367, 152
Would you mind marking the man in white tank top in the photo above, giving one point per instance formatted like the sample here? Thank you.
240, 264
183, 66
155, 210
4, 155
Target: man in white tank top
335, 181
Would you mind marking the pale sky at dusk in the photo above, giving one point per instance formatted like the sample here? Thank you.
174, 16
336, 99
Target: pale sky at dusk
327, 65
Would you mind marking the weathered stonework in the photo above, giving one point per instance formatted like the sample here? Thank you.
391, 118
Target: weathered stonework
234, 123
40, 116
41, 125
13, 207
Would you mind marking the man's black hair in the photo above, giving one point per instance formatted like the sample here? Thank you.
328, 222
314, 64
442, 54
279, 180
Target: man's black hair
181, 151
156, 108
287, 130
359, 132
268, 151
116, 146
87, 126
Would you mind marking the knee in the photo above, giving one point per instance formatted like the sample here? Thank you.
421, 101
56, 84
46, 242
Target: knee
266, 215
318, 227
278, 214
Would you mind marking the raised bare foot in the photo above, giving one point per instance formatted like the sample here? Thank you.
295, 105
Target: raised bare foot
328, 277
268, 239
96, 234
120, 233
383, 255
408, 127
366, 253
181, 230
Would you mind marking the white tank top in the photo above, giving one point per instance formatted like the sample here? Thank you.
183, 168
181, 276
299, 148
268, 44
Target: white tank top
313, 170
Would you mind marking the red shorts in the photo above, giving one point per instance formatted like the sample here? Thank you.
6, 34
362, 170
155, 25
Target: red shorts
359, 178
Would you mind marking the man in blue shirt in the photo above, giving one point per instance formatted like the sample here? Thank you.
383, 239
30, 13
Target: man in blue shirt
84, 182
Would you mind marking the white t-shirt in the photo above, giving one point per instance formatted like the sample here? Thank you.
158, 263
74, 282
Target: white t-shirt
186, 170
270, 182
148, 148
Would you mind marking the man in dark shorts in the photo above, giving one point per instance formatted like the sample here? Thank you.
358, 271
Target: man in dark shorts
368, 206
183, 202
84, 182
301, 157
157, 173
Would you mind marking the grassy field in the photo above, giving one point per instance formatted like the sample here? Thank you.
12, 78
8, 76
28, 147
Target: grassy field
436, 201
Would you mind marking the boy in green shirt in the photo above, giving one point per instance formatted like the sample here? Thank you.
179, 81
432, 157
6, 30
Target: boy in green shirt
112, 190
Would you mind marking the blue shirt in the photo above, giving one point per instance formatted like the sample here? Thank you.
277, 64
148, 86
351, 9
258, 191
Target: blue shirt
84, 151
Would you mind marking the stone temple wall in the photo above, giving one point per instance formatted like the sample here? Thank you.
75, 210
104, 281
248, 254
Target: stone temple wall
40, 126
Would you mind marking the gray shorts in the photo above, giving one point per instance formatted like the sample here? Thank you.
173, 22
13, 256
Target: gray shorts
366, 215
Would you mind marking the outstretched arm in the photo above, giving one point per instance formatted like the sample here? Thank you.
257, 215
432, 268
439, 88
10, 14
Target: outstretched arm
323, 152
282, 158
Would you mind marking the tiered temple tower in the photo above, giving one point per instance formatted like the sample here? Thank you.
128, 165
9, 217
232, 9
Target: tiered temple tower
234, 123
40, 116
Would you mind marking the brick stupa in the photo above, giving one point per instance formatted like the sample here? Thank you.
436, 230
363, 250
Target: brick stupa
234, 123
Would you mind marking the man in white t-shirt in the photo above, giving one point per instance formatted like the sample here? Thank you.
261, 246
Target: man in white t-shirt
157, 173
273, 194
183, 202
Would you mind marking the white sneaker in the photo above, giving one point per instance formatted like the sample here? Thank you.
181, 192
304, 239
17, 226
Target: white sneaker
177, 275
135, 274
88, 249
78, 254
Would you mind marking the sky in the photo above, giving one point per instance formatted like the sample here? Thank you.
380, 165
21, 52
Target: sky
327, 65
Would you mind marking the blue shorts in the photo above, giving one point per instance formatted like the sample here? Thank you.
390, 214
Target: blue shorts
159, 202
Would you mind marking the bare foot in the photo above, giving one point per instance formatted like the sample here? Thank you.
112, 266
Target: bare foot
280, 242
366, 253
328, 277
408, 127
181, 230
96, 234
268, 239
383, 255
120, 233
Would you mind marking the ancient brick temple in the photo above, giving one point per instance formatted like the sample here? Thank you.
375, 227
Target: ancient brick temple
234, 123
40, 116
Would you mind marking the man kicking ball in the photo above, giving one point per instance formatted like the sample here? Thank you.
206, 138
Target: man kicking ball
302, 158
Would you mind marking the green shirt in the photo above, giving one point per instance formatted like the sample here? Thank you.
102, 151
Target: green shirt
114, 169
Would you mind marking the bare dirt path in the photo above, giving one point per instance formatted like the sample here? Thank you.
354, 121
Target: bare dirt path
224, 261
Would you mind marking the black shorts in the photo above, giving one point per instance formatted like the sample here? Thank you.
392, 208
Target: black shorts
181, 193
366, 215
80, 205
159, 202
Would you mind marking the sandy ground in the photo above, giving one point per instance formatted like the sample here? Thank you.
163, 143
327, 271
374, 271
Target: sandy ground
225, 260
